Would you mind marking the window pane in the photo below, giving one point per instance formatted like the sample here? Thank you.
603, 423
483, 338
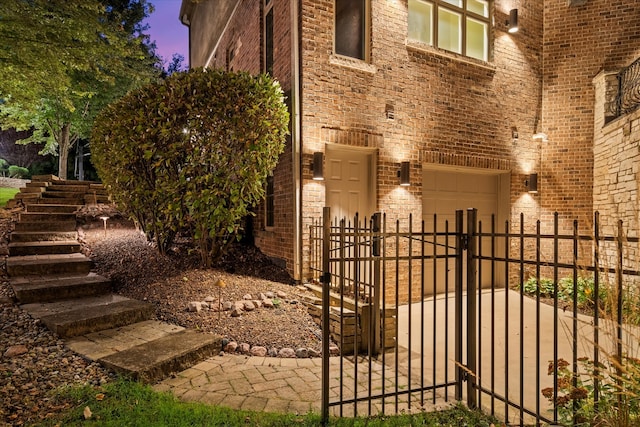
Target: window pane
420, 21
350, 28
453, 2
481, 7
477, 39
449, 30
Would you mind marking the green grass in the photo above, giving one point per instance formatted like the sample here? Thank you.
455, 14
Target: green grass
127, 403
7, 194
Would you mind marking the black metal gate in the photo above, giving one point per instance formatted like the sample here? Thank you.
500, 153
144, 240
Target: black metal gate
418, 320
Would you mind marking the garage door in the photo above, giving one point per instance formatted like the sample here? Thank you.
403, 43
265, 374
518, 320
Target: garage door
448, 190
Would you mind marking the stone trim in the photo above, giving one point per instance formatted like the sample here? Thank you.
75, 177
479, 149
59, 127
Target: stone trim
352, 137
465, 160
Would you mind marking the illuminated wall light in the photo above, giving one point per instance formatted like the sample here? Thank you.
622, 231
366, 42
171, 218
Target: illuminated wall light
512, 22
532, 183
404, 174
317, 166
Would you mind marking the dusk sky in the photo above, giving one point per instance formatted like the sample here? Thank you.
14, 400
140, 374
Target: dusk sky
167, 30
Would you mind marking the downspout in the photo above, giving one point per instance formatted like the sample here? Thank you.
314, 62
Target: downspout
296, 140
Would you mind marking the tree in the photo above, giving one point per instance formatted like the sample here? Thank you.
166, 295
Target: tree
62, 61
192, 153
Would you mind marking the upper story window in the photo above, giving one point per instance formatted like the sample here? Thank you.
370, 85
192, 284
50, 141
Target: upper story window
268, 37
460, 26
351, 28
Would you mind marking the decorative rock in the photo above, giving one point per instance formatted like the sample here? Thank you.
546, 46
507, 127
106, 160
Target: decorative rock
262, 296
257, 303
227, 305
231, 347
258, 351
270, 295
236, 312
334, 350
268, 303
204, 305
247, 297
286, 353
195, 306
249, 306
244, 348
281, 294
302, 353
314, 353
16, 350
273, 352
209, 299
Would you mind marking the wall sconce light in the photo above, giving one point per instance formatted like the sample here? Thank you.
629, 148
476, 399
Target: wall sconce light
403, 174
512, 22
316, 166
532, 183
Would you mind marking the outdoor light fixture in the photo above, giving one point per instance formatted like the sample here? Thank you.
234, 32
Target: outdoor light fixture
316, 166
104, 221
403, 174
512, 22
532, 183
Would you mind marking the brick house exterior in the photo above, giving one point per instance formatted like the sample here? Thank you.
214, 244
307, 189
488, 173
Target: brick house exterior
465, 125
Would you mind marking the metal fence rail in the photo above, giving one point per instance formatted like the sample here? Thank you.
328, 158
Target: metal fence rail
486, 315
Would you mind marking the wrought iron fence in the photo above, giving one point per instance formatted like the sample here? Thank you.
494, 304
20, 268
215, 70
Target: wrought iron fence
522, 315
627, 98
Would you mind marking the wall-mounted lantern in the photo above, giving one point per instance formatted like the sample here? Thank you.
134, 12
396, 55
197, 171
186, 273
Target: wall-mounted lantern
317, 166
403, 174
532, 183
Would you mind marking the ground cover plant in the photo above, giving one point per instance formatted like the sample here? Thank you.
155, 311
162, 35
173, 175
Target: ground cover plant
125, 402
192, 154
7, 194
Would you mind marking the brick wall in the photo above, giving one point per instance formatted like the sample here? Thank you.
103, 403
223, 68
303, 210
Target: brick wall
579, 41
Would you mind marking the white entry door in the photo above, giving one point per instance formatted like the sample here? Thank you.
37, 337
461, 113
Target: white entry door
446, 190
349, 182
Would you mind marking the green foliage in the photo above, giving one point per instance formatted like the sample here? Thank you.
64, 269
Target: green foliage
18, 172
7, 194
129, 403
565, 290
618, 392
63, 61
192, 152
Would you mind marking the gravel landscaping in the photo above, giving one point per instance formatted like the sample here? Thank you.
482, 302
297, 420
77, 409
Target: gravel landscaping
34, 362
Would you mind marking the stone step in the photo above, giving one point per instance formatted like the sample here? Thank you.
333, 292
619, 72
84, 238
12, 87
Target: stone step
44, 247
52, 208
45, 216
155, 360
32, 189
27, 196
79, 316
96, 345
70, 188
30, 289
38, 265
46, 226
53, 195
76, 201
45, 178
41, 236
41, 184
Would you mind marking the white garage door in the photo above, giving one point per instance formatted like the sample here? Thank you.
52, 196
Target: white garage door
448, 190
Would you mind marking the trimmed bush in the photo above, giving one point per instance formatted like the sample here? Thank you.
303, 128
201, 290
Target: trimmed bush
18, 172
192, 153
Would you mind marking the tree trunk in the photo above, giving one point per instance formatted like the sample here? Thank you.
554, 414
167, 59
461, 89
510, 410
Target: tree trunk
63, 150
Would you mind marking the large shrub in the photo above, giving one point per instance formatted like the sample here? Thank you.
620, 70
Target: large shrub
192, 152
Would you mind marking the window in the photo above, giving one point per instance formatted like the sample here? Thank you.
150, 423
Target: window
269, 203
351, 28
268, 37
460, 26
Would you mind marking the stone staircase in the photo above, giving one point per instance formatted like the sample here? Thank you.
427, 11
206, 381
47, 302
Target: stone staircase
53, 282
